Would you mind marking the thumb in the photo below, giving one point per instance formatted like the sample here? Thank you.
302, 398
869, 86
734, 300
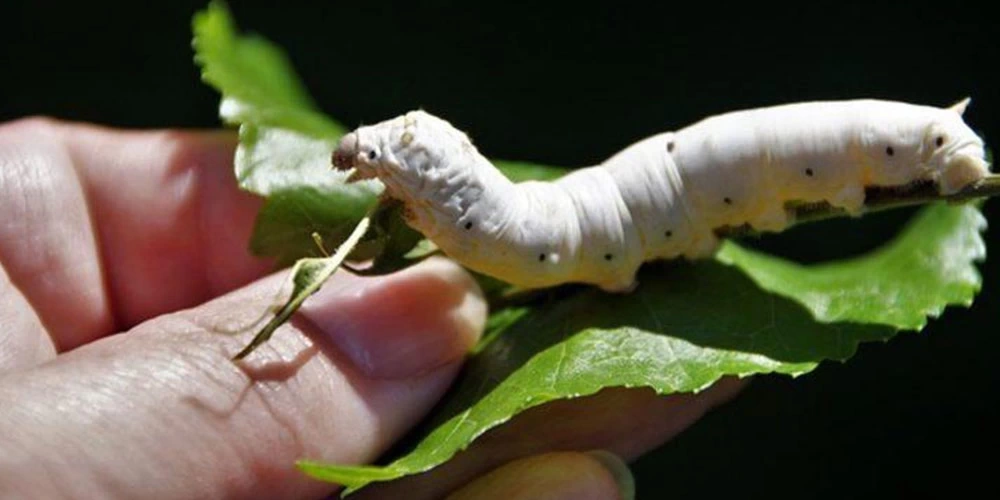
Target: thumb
597, 475
163, 409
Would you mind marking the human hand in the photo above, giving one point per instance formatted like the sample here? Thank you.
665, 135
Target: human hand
145, 233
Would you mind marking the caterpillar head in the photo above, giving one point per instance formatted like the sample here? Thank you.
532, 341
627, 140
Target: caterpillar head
411, 154
955, 154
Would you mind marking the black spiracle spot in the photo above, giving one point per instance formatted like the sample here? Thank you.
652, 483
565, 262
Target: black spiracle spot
608, 256
939, 141
889, 151
541, 257
670, 147
728, 200
668, 233
809, 172
468, 226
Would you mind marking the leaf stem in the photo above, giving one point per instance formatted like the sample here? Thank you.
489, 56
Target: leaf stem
878, 199
308, 276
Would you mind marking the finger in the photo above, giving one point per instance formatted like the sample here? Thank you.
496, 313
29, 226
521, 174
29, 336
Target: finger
107, 228
23, 341
555, 476
47, 243
626, 422
177, 232
163, 412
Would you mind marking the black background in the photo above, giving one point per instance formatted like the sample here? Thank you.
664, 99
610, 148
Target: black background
570, 85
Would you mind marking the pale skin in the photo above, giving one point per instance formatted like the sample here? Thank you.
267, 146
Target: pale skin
124, 275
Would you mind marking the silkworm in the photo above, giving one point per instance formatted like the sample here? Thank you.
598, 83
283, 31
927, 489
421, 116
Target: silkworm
662, 197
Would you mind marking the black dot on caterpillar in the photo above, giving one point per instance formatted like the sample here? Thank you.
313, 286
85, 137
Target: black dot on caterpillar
605, 219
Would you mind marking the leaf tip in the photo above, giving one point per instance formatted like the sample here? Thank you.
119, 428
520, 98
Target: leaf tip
351, 477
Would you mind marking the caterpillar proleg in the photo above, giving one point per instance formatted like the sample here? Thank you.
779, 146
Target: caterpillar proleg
662, 197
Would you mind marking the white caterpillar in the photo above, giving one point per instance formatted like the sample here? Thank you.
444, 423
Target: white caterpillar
661, 197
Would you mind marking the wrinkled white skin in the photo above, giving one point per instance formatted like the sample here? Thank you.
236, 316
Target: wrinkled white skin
661, 197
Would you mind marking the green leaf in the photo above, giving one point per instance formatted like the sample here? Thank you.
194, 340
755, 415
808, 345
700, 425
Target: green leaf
304, 196
286, 223
257, 82
519, 171
899, 285
285, 144
398, 239
272, 159
674, 335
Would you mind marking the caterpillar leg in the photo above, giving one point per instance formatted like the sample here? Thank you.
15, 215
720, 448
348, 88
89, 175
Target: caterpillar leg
703, 246
774, 219
851, 198
623, 286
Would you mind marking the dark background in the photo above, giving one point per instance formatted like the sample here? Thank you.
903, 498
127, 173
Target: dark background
572, 85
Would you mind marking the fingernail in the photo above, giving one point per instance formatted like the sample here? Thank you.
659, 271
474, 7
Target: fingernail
619, 472
405, 324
